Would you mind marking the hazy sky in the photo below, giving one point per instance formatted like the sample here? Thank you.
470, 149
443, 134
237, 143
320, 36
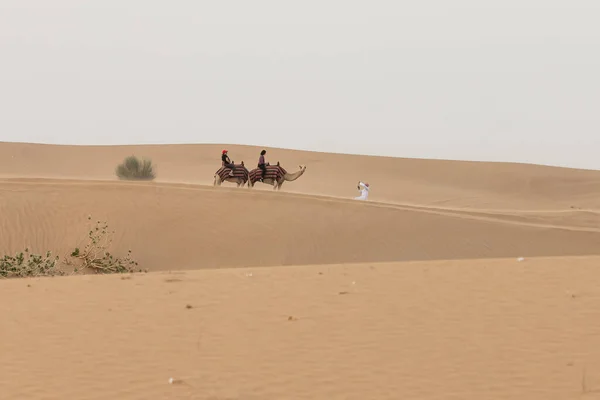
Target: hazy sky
506, 80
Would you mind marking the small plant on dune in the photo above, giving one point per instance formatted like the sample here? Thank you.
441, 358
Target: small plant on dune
95, 256
26, 264
132, 168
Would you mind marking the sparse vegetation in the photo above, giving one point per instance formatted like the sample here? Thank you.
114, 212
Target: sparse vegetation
93, 256
96, 257
26, 264
132, 168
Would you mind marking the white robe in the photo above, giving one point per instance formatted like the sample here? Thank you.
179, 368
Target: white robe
364, 192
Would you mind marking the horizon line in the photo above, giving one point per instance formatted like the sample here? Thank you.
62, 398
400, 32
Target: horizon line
301, 150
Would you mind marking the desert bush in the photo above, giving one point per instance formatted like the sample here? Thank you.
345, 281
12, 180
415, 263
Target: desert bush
26, 264
93, 256
133, 168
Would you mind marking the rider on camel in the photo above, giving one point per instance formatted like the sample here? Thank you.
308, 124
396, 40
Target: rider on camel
262, 164
227, 162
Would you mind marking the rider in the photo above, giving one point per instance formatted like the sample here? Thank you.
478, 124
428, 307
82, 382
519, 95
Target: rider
227, 162
262, 165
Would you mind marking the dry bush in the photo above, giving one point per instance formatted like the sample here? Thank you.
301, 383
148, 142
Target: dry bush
95, 256
133, 168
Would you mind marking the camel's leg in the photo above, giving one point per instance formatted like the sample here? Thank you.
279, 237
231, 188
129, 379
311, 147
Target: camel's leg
280, 184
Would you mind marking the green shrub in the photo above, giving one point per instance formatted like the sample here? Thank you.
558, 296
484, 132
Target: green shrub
25, 264
133, 168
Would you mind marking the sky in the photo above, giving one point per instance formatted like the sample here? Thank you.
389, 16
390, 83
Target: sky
493, 80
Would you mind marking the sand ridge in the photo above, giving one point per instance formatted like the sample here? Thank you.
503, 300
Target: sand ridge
424, 182
162, 223
577, 219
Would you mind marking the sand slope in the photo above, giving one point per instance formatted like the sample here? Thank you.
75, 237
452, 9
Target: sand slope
191, 227
384, 303
495, 329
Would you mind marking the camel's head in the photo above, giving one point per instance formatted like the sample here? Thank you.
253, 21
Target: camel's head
302, 167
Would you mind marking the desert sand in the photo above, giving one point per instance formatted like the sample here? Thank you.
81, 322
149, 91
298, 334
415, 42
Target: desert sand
456, 280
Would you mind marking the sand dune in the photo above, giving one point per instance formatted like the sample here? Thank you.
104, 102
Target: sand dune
190, 227
429, 182
416, 293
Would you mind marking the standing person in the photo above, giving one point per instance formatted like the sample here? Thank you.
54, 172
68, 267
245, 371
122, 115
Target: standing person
262, 164
364, 192
227, 162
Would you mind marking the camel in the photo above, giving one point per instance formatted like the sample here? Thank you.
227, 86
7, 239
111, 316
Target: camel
275, 176
239, 178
